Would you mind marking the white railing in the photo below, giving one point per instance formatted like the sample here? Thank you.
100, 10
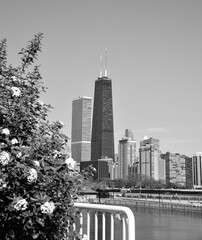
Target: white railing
90, 213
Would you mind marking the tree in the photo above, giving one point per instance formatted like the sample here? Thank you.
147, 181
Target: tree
38, 182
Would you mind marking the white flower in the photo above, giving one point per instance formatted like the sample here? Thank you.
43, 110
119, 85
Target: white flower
71, 163
48, 207
15, 92
39, 102
35, 236
21, 204
14, 141
55, 153
19, 154
15, 79
4, 158
59, 124
5, 131
36, 163
32, 175
85, 237
2, 184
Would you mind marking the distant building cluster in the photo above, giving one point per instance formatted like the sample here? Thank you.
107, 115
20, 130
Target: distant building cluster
92, 143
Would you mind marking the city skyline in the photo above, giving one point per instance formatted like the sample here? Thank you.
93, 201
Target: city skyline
154, 59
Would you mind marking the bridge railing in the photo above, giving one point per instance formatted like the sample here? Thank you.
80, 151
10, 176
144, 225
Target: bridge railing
92, 213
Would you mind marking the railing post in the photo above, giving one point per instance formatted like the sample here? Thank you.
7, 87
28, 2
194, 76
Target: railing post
81, 224
124, 228
96, 225
112, 227
88, 224
103, 225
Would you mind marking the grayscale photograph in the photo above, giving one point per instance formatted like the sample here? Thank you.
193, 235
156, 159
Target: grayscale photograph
100, 120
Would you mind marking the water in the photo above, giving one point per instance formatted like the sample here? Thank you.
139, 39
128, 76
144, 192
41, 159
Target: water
159, 224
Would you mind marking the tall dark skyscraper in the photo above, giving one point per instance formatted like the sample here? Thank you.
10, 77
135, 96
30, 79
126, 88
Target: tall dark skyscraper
102, 141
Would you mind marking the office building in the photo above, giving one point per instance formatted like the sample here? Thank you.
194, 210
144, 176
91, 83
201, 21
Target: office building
127, 156
149, 159
102, 141
102, 138
81, 129
197, 169
189, 172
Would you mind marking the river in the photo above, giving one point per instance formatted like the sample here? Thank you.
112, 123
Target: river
160, 224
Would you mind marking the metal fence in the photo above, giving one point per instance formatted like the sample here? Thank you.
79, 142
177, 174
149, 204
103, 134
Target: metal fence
90, 213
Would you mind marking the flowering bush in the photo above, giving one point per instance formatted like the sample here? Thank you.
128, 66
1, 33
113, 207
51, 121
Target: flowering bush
38, 183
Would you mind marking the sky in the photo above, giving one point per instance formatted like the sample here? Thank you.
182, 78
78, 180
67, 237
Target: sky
154, 58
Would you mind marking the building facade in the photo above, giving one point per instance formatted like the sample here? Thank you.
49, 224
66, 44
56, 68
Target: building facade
102, 141
197, 169
189, 172
150, 166
127, 156
101, 166
175, 168
81, 129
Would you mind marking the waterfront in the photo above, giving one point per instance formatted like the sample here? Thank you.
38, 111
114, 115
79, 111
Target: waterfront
155, 224
159, 221
164, 224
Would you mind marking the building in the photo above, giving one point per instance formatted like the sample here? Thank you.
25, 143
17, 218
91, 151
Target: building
178, 169
106, 168
189, 172
102, 141
162, 170
81, 129
127, 156
112, 167
102, 138
150, 166
101, 166
197, 169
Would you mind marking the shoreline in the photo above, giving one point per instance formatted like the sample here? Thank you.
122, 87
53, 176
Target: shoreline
162, 204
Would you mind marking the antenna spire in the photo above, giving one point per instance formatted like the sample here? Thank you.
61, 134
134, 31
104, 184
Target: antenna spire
105, 73
100, 66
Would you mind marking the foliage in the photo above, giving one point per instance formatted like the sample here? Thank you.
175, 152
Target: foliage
38, 182
138, 182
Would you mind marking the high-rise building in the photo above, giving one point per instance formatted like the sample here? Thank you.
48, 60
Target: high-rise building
81, 129
189, 172
197, 169
102, 138
175, 168
102, 141
127, 156
149, 159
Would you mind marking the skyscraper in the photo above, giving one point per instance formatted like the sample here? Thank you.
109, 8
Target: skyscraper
197, 169
102, 141
149, 157
81, 129
127, 156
